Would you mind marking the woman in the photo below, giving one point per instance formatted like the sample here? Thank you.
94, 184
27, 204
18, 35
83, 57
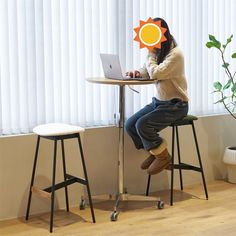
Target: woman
166, 66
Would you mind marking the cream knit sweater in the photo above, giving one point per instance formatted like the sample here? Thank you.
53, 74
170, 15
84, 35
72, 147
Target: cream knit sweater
169, 75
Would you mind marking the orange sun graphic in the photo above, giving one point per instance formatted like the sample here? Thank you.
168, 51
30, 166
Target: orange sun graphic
150, 34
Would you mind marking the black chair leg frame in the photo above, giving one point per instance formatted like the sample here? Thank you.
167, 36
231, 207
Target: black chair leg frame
68, 179
182, 166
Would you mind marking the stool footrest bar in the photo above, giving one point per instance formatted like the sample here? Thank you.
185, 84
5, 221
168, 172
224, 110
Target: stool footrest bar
78, 179
41, 192
70, 180
184, 166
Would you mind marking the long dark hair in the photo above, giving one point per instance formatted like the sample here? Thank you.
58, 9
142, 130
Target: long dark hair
165, 46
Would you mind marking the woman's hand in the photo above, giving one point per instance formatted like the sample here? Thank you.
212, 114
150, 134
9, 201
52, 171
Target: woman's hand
133, 74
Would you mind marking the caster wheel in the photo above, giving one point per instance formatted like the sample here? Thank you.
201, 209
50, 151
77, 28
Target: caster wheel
160, 204
114, 216
82, 204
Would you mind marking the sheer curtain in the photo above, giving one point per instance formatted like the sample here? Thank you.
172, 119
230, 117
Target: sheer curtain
49, 47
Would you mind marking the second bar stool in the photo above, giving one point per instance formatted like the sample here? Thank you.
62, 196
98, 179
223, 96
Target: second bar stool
187, 120
58, 132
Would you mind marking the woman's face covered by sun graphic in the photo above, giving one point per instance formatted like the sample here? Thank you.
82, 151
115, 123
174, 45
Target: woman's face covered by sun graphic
150, 34
154, 34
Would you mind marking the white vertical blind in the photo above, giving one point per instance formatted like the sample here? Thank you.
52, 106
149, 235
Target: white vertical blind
49, 47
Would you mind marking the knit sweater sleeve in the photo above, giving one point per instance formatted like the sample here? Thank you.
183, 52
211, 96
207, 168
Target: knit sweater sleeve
168, 69
143, 72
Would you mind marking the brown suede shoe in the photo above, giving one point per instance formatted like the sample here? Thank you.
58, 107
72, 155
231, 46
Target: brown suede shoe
147, 162
159, 164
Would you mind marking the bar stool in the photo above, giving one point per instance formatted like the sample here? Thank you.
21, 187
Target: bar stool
187, 120
58, 132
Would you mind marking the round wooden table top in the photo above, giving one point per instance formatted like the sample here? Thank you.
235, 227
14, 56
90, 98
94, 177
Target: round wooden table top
103, 80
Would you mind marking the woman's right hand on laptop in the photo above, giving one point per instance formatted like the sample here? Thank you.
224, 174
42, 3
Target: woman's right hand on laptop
133, 74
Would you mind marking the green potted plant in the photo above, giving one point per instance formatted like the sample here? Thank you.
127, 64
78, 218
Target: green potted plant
227, 94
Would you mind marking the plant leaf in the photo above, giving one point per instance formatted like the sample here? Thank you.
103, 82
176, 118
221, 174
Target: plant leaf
226, 86
234, 55
212, 38
218, 86
215, 42
229, 39
233, 89
209, 44
225, 65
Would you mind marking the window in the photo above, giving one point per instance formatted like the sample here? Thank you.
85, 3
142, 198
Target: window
49, 47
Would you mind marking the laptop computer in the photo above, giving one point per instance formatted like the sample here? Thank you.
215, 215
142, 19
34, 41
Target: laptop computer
112, 68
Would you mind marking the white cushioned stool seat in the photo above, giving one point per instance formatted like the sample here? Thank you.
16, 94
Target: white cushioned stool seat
56, 129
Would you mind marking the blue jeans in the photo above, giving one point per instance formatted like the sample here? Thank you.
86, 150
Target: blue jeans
143, 126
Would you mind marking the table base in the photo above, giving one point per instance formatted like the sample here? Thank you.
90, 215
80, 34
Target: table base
123, 197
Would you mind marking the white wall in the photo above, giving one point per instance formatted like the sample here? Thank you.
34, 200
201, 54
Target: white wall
101, 152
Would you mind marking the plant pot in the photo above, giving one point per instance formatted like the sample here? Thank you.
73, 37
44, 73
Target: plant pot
230, 161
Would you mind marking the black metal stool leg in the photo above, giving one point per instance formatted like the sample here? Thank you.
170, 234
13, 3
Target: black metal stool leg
86, 178
200, 162
148, 185
53, 185
179, 159
172, 169
64, 172
32, 178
